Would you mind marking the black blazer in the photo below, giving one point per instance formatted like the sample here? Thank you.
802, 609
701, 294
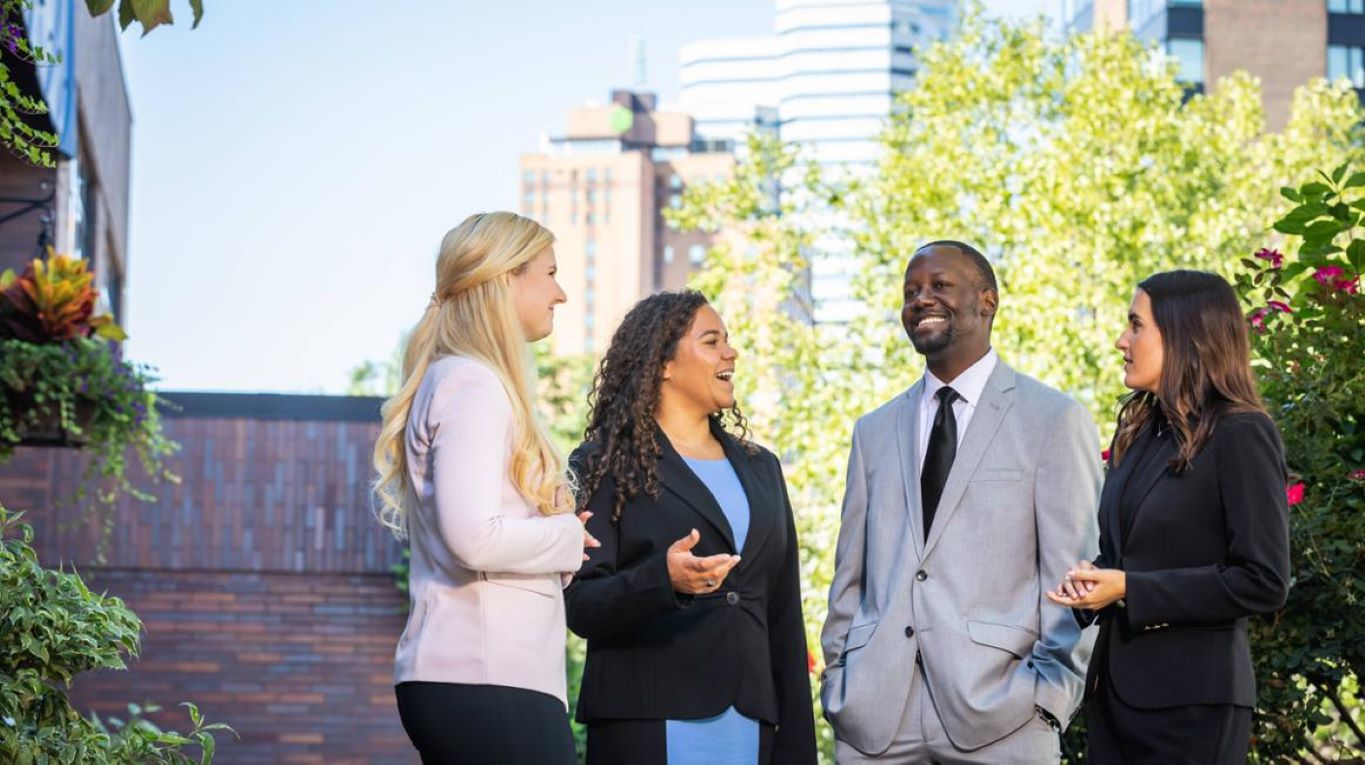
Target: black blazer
655, 654
1202, 551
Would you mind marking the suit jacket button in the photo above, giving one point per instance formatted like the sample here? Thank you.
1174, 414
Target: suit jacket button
732, 598
909, 631
921, 575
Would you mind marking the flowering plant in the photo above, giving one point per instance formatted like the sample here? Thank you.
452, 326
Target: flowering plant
62, 381
1307, 318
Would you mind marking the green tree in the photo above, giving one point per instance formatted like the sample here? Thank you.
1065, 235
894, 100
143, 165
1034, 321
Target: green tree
1080, 166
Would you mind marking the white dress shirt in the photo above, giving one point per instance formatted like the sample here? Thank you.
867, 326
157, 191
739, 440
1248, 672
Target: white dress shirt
968, 385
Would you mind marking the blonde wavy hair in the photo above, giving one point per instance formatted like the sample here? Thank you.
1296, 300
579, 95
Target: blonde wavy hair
472, 314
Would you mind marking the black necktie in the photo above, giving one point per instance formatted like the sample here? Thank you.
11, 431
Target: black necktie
938, 458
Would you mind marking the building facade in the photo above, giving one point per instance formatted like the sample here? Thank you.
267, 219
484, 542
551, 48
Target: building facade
80, 207
602, 188
1284, 43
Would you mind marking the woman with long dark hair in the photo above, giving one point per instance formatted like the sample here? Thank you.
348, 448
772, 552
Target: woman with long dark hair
1194, 534
691, 605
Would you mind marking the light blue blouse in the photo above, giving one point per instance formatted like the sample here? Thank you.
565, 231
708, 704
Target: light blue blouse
729, 738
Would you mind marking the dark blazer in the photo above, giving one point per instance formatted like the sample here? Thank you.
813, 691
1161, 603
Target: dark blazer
1202, 551
655, 654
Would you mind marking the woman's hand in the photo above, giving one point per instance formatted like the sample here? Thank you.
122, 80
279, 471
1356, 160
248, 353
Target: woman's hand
697, 576
588, 539
1088, 587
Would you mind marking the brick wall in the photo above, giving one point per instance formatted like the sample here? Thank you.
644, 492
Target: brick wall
1282, 42
262, 581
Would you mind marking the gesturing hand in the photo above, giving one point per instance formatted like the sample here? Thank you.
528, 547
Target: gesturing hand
588, 539
697, 576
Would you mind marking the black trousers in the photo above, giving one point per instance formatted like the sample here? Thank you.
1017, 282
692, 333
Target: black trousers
452, 723
1200, 734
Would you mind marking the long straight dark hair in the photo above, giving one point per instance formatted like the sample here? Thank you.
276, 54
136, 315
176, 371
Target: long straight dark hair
1206, 366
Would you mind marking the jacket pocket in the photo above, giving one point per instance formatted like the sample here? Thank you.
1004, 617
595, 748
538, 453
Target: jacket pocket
857, 638
1016, 640
541, 584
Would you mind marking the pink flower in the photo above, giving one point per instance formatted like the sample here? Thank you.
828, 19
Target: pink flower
1104, 455
1279, 306
1349, 286
1294, 493
1325, 274
1358, 475
1257, 319
1274, 256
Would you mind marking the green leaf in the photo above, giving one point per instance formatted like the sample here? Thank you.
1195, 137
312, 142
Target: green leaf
99, 7
1315, 189
1338, 173
198, 7
1356, 179
1290, 193
126, 14
1355, 255
152, 14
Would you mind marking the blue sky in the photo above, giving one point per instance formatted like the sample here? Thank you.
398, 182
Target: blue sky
295, 164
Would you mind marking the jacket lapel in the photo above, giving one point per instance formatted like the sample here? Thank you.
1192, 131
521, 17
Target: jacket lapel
678, 479
1142, 481
764, 505
907, 441
996, 400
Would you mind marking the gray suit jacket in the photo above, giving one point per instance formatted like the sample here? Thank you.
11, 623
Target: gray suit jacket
1018, 509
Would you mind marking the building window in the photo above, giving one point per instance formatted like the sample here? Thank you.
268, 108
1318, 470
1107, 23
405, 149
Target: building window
668, 253
590, 249
675, 181
530, 199
1189, 58
696, 254
1186, 3
589, 218
1346, 6
591, 175
590, 272
606, 176
675, 201
529, 176
592, 196
1346, 62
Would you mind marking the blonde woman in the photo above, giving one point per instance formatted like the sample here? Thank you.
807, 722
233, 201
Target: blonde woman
469, 475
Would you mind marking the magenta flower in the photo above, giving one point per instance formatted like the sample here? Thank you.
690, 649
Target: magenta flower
1293, 493
1358, 475
1257, 319
1349, 286
1280, 306
1326, 274
1275, 257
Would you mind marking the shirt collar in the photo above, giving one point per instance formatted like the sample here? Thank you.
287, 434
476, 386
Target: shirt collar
970, 384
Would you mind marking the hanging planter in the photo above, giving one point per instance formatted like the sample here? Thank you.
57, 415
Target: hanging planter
62, 381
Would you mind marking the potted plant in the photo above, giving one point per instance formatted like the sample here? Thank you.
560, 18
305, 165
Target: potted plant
62, 379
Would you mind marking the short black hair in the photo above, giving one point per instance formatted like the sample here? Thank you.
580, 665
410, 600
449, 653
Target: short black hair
983, 266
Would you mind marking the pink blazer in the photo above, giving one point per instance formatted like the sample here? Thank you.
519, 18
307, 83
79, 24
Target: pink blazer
485, 585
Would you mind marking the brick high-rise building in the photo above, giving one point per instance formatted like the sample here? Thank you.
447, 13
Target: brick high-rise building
602, 189
1284, 43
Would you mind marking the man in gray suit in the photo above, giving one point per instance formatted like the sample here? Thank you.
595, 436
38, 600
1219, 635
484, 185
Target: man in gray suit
968, 495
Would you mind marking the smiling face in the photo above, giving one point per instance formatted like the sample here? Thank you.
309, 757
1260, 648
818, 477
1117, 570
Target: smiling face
947, 307
535, 293
1143, 352
698, 376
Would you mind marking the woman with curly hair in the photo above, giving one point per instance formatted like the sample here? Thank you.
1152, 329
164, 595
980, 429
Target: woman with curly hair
692, 605
470, 476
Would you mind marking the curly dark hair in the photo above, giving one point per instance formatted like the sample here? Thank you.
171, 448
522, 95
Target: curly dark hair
625, 398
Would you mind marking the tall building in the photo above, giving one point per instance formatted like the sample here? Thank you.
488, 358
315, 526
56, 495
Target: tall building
602, 188
79, 207
1284, 43
826, 79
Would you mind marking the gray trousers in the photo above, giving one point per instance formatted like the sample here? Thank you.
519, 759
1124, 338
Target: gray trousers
922, 739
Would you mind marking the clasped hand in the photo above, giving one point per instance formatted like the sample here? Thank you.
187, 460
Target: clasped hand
1088, 587
697, 576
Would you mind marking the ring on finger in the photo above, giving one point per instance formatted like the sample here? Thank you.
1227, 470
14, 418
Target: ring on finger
709, 583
